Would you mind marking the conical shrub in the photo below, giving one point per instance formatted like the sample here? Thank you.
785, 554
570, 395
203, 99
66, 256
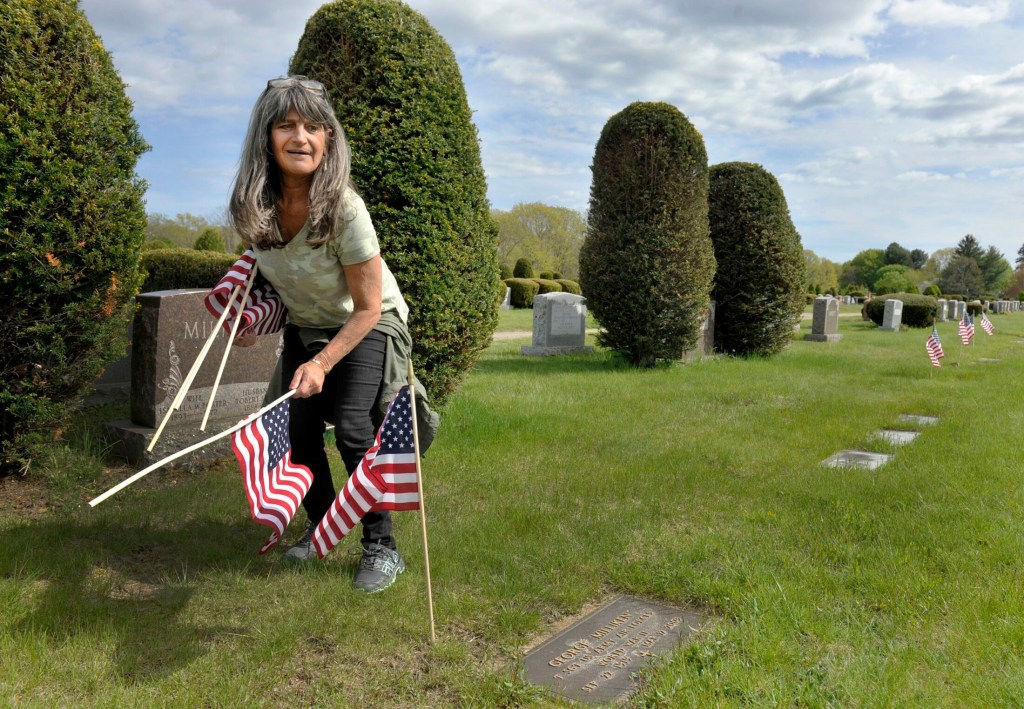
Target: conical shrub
759, 287
71, 217
647, 263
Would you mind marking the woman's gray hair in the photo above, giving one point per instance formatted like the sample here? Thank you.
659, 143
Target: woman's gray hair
257, 187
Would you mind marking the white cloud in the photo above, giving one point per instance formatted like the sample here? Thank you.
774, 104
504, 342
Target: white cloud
939, 13
922, 176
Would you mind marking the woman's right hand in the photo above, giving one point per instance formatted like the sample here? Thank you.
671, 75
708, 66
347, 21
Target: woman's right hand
246, 340
308, 380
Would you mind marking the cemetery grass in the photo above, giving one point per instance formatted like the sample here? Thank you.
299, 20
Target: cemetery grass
556, 484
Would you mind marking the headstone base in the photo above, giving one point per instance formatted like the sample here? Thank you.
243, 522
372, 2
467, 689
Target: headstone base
549, 351
131, 440
823, 338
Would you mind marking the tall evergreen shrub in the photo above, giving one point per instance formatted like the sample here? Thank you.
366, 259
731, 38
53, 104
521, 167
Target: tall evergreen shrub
71, 217
647, 263
398, 93
758, 290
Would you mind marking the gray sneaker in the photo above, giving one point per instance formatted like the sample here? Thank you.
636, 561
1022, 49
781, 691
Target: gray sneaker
303, 550
378, 568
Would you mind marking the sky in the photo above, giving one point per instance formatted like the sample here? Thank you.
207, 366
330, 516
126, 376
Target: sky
883, 120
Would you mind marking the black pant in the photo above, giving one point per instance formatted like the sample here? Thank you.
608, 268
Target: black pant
349, 394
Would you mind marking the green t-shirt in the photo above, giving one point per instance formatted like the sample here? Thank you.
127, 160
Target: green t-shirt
311, 282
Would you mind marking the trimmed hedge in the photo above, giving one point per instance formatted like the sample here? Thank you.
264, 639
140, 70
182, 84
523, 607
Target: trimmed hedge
523, 269
523, 291
918, 310
759, 284
569, 286
170, 269
71, 215
647, 262
546, 285
398, 93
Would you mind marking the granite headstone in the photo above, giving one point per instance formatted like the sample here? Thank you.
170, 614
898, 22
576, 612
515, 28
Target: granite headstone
559, 325
825, 324
168, 333
893, 315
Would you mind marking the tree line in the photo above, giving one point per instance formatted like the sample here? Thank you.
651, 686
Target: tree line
967, 269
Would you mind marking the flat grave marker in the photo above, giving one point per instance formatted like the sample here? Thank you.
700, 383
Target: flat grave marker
897, 437
857, 459
595, 660
918, 420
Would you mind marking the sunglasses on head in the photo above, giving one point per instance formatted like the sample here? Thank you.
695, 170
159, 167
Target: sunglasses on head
308, 84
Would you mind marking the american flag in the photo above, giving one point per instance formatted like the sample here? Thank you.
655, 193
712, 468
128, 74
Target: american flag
274, 484
966, 329
934, 347
263, 313
987, 324
384, 480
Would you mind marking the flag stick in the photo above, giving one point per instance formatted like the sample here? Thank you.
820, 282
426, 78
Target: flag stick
423, 506
247, 420
187, 382
227, 349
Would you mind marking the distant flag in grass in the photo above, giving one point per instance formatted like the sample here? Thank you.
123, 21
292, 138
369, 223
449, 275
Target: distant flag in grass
966, 329
384, 480
934, 348
274, 485
263, 313
987, 324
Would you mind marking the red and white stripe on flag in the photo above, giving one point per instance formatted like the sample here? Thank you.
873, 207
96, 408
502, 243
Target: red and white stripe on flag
987, 324
384, 480
274, 485
263, 312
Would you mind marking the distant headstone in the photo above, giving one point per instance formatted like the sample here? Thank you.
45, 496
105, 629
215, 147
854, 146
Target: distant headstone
559, 325
961, 308
507, 303
597, 659
950, 310
893, 315
169, 330
706, 340
825, 325
942, 310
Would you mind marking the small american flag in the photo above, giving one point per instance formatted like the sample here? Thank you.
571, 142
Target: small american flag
966, 329
385, 479
987, 324
274, 484
934, 348
264, 313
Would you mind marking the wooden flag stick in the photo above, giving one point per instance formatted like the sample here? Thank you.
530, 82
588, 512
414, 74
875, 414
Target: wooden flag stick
142, 473
423, 506
227, 348
187, 382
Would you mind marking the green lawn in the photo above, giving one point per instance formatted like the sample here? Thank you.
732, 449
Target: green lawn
557, 483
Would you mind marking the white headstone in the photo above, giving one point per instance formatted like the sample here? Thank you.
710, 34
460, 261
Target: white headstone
559, 325
893, 316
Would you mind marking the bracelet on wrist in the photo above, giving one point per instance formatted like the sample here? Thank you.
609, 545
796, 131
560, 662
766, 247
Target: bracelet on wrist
323, 366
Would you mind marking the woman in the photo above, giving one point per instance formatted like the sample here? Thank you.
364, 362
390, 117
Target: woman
294, 203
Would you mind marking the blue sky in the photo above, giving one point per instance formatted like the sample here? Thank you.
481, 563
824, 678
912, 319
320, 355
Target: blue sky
884, 120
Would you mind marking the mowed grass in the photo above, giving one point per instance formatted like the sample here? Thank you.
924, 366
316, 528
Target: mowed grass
555, 484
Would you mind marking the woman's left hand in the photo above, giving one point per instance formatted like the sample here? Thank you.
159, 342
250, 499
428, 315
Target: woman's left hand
308, 380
